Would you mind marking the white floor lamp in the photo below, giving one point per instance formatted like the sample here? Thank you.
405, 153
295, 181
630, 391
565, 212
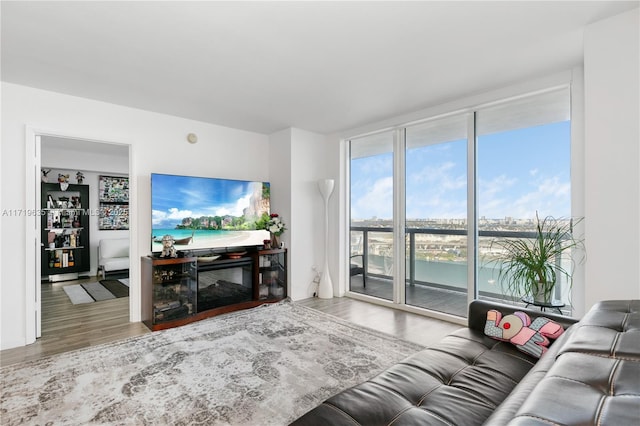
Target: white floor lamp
325, 289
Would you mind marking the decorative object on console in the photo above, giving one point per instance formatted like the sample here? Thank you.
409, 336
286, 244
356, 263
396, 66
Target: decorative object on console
276, 227
167, 247
517, 328
325, 290
236, 255
208, 259
79, 177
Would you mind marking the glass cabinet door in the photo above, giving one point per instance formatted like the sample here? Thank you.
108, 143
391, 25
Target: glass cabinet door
272, 274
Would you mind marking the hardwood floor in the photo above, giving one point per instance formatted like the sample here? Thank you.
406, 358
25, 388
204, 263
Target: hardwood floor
67, 327
406, 325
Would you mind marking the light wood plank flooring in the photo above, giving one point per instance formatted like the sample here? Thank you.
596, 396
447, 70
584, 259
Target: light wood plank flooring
67, 327
406, 325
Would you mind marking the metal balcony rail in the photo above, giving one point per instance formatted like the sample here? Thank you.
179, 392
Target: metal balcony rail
412, 232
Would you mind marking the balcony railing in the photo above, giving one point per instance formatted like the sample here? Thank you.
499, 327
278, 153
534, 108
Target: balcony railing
452, 268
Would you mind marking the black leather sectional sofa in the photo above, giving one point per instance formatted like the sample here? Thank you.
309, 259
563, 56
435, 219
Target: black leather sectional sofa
589, 376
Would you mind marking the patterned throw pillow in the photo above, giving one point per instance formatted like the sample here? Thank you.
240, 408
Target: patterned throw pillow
529, 337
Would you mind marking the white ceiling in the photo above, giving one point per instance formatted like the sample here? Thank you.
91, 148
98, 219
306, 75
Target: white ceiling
265, 66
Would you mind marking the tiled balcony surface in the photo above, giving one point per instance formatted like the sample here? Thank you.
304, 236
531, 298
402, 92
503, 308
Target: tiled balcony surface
423, 296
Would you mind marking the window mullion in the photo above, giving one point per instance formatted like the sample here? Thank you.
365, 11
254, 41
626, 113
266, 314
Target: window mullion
472, 209
399, 216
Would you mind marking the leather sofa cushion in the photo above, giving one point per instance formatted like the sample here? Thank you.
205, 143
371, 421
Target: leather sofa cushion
595, 379
584, 389
459, 381
611, 329
506, 411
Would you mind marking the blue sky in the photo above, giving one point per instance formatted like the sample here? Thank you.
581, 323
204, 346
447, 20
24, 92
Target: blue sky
176, 197
519, 172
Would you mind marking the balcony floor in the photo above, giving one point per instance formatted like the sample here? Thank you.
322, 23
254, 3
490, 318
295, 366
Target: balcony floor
428, 297
424, 296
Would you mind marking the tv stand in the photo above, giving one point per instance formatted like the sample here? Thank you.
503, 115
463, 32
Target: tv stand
178, 291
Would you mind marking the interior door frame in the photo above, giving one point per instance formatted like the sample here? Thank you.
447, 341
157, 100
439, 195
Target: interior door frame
33, 270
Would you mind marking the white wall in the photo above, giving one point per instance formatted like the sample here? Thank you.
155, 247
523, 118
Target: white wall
280, 177
158, 145
299, 159
612, 157
86, 156
308, 165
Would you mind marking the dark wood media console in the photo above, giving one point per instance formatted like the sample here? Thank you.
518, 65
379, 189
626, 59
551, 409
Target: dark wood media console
178, 291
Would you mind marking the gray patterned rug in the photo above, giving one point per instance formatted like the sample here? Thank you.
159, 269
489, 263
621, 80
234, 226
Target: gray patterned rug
262, 366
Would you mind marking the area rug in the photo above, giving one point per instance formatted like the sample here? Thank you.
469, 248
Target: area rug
262, 366
96, 291
77, 294
116, 287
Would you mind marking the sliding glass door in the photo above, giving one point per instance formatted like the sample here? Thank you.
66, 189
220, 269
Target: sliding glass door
371, 248
436, 215
524, 163
429, 199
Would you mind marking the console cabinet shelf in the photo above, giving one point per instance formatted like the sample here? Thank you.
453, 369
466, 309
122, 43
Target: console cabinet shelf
182, 290
169, 290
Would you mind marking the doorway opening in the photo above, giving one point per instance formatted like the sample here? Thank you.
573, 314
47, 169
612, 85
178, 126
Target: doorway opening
76, 161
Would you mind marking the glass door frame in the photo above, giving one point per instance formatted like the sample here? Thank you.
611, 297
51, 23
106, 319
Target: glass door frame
399, 268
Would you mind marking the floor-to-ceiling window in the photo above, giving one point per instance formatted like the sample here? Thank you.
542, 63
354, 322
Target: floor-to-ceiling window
523, 171
467, 179
372, 189
436, 214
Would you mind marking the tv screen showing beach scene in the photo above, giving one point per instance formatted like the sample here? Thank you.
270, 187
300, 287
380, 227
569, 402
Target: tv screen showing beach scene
208, 213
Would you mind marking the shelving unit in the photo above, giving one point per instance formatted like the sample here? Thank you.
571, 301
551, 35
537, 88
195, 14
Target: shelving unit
271, 274
181, 290
169, 292
65, 231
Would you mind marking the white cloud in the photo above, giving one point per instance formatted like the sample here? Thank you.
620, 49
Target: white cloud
551, 196
377, 201
157, 217
236, 209
502, 197
173, 214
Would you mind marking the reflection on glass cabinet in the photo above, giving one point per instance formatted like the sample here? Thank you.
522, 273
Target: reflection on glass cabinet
272, 274
173, 288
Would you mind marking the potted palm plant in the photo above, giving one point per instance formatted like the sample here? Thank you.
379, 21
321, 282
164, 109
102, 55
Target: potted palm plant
530, 267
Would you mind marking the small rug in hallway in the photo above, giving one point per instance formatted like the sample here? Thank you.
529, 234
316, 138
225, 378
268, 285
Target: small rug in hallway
95, 292
116, 287
262, 366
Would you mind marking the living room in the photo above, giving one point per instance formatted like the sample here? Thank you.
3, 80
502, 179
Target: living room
294, 155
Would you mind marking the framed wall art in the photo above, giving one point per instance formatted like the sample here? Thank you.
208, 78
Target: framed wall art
113, 211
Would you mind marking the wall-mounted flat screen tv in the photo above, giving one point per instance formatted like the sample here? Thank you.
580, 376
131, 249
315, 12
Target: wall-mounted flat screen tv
208, 213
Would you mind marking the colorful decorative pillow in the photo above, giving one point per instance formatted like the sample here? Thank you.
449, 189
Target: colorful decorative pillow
529, 337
